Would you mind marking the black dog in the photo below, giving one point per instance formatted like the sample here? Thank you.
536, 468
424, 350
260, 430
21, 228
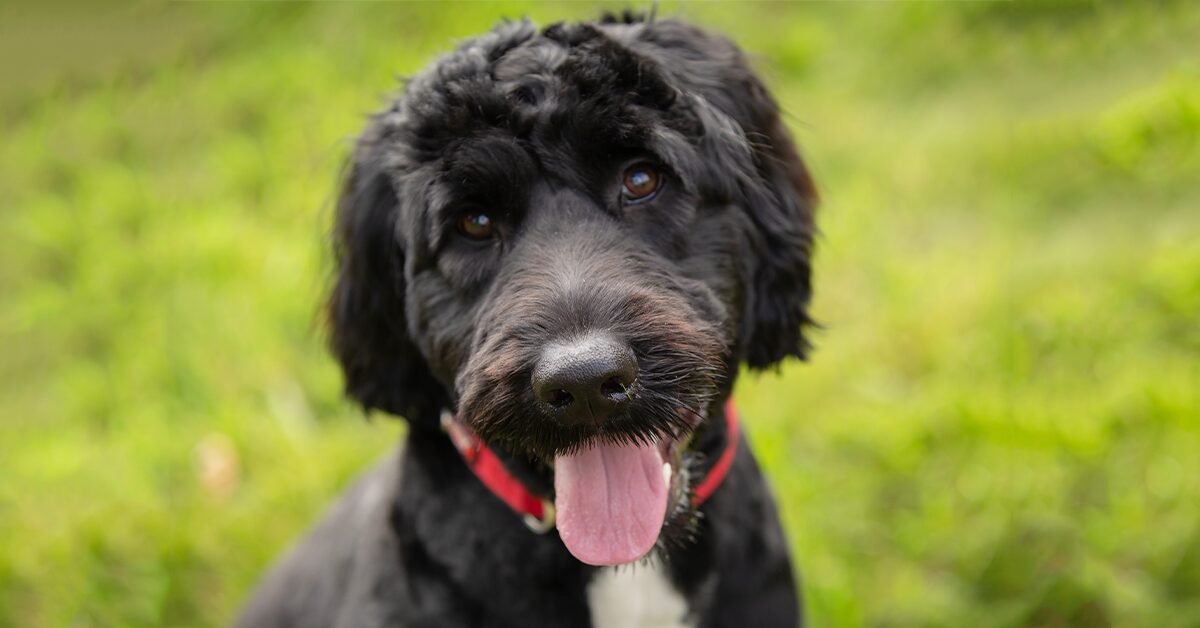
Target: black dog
554, 251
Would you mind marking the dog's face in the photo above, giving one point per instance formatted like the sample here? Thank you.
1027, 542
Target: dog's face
572, 238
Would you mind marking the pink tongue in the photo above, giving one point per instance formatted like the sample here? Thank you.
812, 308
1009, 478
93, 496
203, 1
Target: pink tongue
610, 502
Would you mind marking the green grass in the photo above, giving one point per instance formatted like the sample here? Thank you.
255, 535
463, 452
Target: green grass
1000, 427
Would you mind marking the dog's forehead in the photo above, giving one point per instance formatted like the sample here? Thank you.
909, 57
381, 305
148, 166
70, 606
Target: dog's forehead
512, 53
567, 104
538, 57
516, 78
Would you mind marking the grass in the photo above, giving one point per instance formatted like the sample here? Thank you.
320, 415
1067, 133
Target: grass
1001, 425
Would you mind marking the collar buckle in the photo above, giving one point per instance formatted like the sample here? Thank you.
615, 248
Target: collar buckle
543, 524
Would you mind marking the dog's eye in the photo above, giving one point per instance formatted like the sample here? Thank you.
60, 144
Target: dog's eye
641, 182
475, 225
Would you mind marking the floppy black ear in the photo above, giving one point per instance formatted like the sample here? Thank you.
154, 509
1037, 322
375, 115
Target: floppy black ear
368, 332
775, 191
777, 299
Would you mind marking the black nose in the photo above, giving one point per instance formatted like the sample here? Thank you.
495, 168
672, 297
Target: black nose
585, 381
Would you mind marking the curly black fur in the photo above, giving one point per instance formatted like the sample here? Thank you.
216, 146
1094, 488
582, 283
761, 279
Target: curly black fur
535, 128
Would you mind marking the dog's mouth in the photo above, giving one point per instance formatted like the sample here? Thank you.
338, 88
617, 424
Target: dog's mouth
613, 499
617, 467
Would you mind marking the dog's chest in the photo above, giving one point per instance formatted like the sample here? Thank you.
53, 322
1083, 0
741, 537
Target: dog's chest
639, 596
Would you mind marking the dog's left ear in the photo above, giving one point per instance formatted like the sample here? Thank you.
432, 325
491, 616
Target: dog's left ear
773, 185
775, 190
776, 315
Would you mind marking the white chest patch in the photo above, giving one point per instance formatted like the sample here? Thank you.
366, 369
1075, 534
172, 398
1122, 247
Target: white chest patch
636, 596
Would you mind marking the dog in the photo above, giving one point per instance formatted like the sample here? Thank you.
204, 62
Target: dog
554, 251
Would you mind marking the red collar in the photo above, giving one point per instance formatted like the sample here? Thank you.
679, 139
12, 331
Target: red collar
537, 512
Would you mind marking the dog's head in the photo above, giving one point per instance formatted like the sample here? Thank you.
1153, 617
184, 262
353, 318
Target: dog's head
572, 238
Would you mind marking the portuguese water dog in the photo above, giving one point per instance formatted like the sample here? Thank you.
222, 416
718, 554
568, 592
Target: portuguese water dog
554, 251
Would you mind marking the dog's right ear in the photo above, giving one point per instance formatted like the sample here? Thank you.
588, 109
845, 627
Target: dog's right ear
368, 331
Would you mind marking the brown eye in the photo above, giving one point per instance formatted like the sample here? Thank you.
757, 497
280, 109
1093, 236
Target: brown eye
641, 182
475, 225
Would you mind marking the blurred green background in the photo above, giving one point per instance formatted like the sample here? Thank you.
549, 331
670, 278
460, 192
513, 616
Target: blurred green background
1000, 426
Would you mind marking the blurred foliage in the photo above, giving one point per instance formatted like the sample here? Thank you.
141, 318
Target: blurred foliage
1001, 425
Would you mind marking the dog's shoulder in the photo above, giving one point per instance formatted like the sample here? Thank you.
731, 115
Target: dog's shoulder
335, 569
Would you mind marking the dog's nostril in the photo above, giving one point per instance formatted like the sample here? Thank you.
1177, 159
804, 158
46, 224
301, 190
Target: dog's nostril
614, 389
560, 399
585, 380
